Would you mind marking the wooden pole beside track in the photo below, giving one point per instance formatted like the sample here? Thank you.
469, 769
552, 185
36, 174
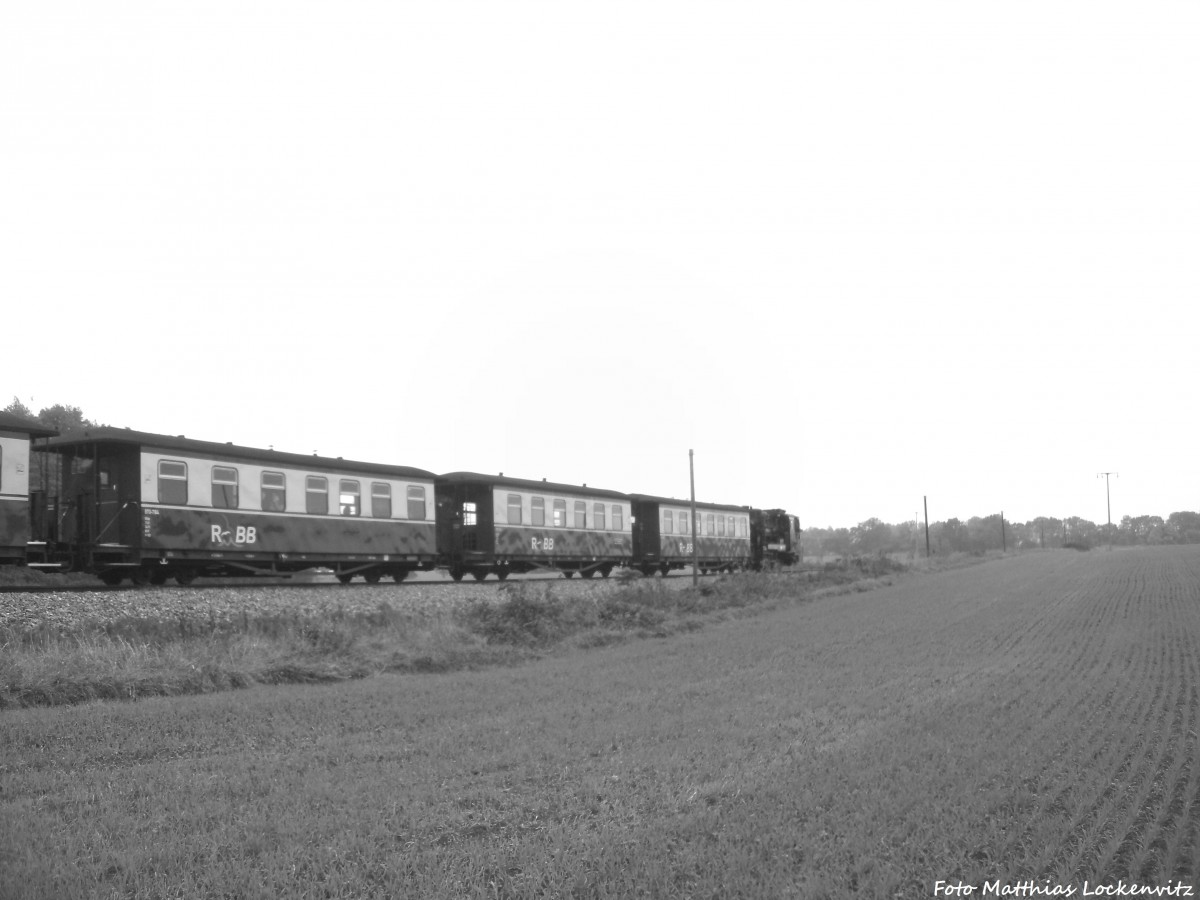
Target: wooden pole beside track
926, 501
694, 529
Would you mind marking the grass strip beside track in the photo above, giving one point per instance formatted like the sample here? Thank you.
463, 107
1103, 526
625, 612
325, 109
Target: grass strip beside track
71, 647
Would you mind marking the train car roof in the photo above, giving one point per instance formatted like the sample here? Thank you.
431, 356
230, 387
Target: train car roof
228, 451
528, 484
677, 501
13, 422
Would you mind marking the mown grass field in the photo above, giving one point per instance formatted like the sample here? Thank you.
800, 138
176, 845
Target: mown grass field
1031, 717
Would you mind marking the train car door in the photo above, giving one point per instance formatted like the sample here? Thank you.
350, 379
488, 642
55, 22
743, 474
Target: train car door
646, 543
464, 511
100, 496
117, 504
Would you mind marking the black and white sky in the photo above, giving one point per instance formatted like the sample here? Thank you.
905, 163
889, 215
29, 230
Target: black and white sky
852, 254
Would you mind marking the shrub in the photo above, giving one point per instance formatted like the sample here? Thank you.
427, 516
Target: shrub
619, 612
525, 617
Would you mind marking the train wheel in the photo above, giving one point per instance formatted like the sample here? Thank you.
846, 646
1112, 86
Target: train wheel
158, 576
373, 577
399, 576
664, 571
457, 574
111, 577
587, 573
502, 572
344, 578
139, 577
605, 571
479, 574
567, 573
647, 570
184, 577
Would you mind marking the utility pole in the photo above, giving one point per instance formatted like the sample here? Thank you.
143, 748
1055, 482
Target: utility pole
925, 498
695, 531
1108, 497
1003, 537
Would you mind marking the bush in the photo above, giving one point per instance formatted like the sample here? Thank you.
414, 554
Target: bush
618, 612
526, 617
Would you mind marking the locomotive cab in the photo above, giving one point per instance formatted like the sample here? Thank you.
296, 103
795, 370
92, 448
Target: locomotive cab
776, 537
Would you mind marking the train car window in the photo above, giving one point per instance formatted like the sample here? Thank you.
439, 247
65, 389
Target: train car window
710, 523
468, 513
349, 497
416, 504
224, 487
274, 491
381, 500
580, 514
598, 516
720, 525
514, 509
668, 525
316, 495
537, 510
731, 528
560, 513
172, 482
683, 524
616, 518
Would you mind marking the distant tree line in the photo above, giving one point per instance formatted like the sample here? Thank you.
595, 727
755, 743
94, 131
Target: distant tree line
63, 419
981, 534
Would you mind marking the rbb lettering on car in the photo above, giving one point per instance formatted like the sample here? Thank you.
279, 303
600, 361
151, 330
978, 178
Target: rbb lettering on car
546, 544
242, 534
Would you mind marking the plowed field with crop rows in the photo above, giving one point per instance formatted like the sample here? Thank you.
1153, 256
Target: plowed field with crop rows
1026, 723
1105, 660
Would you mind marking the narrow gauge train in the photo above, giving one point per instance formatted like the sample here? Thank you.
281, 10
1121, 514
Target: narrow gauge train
147, 507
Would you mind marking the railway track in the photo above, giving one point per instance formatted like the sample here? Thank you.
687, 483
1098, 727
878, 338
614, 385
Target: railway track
67, 608
255, 584
417, 580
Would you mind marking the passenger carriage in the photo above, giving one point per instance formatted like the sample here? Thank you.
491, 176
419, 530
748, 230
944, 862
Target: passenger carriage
149, 507
491, 524
21, 497
665, 535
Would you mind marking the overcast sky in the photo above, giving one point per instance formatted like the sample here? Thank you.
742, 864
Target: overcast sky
851, 253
